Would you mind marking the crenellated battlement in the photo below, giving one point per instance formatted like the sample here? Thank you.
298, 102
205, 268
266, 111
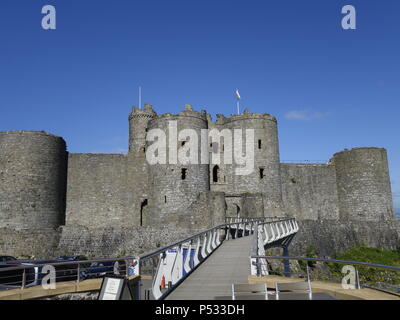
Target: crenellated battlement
246, 115
146, 113
188, 112
29, 132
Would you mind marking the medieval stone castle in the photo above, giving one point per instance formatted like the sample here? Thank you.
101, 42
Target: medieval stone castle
53, 202
42, 186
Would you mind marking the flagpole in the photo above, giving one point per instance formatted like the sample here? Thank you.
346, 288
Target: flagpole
238, 101
140, 97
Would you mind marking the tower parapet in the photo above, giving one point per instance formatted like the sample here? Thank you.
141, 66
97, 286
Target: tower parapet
138, 121
246, 115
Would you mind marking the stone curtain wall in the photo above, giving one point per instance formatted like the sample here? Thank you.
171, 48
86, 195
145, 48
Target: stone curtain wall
99, 243
309, 191
253, 205
26, 244
206, 211
329, 236
114, 241
97, 193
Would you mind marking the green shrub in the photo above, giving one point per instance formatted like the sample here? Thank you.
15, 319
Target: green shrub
311, 252
370, 255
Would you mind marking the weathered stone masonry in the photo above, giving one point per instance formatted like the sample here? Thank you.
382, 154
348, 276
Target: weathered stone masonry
104, 204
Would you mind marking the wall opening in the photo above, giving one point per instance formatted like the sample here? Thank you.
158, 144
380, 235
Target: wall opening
215, 173
184, 173
165, 199
142, 209
262, 173
237, 211
259, 144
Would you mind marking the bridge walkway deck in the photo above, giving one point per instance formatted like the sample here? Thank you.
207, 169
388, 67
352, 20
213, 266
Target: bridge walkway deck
228, 264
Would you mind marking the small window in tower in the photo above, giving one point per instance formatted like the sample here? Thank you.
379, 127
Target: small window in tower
165, 199
259, 144
184, 172
142, 211
262, 173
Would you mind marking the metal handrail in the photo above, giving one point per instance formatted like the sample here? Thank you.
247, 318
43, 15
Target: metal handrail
61, 263
207, 247
221, 226
161, 250
360, 263
253, 219
255, 240
283, 237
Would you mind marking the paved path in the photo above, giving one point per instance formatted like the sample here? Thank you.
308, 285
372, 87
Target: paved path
228, 264
332, 288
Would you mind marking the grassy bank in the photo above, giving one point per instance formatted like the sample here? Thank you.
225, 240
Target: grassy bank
371, 255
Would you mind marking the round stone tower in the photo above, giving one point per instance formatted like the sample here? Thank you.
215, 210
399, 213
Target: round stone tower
138, 121
264, 176
363, 184
33, 172
174, 185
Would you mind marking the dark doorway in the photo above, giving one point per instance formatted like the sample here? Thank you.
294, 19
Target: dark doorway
142, 209
215, 173
237, 211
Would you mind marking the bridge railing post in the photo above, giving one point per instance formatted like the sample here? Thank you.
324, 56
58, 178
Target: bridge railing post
286, 263
358, 286
23, 279
237, 231
126, 268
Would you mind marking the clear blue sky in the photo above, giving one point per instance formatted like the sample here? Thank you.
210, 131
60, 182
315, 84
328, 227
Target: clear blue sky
330, 89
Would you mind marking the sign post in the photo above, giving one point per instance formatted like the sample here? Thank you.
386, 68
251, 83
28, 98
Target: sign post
115, 288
